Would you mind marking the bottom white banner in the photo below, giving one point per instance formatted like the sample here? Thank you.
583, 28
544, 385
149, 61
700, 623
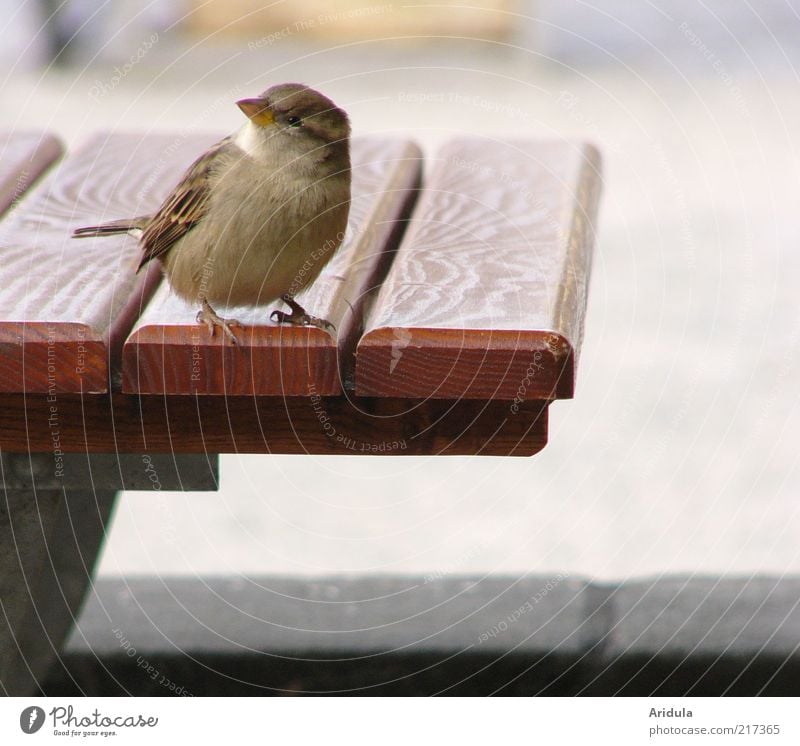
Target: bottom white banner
357, 720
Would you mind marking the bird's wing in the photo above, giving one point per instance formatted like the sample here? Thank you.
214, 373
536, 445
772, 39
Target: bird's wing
185, 205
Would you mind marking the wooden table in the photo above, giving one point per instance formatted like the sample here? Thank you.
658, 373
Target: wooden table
459, 308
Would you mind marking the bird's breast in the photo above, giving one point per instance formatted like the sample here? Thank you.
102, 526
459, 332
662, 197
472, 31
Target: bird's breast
270, 233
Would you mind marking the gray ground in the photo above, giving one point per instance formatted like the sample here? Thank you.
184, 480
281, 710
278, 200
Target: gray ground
679, 453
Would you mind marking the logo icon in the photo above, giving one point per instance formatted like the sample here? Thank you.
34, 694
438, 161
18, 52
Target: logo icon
31, 719
402, 338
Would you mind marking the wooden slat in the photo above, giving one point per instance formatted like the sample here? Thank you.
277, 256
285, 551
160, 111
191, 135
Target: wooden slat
168, 352
296, 425
65, 302
486, 296
24, 157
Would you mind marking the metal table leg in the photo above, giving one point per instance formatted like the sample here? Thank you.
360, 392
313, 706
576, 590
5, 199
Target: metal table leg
52, 527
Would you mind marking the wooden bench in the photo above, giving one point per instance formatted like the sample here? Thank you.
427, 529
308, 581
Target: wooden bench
459, 311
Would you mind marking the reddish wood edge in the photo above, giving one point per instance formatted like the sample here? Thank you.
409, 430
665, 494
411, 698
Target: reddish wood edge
66, 357
492, 364
120, 423
154, 356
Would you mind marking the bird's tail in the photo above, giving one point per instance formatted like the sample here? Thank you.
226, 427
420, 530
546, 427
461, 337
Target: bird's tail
109, 229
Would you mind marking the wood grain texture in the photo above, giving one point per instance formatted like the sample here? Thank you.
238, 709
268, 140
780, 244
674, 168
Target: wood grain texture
487, 294
64, 303
24, 157
169, 352
293, 425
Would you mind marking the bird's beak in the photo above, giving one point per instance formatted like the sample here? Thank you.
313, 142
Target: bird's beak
256, 110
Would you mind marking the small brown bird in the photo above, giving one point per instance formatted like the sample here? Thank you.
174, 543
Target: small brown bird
258, 216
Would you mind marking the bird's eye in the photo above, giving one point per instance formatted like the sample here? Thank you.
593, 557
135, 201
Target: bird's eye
294, 121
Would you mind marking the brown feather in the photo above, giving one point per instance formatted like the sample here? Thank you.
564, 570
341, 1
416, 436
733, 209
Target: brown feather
183, 208
109, 229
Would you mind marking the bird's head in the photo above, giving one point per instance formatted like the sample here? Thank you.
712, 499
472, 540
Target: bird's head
292, 110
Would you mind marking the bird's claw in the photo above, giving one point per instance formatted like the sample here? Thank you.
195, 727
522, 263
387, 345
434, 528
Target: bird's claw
298, 316
209, 317
301, 320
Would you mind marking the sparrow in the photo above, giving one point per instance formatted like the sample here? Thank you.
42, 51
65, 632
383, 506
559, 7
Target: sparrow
258, 216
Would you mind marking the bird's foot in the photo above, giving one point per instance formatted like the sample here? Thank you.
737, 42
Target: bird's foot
298, 316
208, 316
